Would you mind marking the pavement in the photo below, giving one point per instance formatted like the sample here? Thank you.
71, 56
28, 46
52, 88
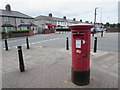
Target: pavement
47, 67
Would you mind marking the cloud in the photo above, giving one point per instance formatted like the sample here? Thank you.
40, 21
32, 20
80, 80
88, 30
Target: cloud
80, 9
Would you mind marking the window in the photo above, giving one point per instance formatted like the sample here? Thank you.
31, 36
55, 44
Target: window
31, 21
42, 21
6, 19
22, 21
28, 28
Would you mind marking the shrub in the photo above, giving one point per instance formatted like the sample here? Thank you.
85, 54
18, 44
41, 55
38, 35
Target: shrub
118, 24
9, 34
3, 34
20, 31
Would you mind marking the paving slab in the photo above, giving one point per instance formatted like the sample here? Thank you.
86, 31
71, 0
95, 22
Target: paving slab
51, 68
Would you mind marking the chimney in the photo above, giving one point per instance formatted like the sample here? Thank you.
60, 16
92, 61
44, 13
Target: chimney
74, 19
86, 21
50, 14
64, 17
81, 20
8, 7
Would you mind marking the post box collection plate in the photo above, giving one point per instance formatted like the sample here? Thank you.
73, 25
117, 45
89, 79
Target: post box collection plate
78, 43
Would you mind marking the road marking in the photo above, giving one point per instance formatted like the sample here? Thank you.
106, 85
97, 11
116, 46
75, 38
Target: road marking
35, 42
32, 43
14, 46
5, 48
15, 40
24, 45
39, 42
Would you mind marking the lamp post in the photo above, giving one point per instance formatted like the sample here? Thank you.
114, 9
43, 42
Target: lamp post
95, 20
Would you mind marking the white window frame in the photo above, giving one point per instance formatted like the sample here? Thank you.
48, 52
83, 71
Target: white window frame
22, 21
6, 19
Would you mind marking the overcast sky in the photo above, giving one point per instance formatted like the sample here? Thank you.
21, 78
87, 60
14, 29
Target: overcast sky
80, 9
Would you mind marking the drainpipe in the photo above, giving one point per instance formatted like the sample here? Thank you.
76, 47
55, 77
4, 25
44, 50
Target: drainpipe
15, 24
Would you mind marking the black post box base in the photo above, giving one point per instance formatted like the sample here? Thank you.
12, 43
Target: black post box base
22, 69
81, 77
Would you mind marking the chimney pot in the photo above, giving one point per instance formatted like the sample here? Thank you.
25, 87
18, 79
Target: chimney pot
74, 19
81, 20
64, 17
8, 7
50, 14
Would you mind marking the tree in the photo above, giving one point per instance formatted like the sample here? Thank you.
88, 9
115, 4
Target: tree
114, 25
102, 24
86, 21
118, 24
107, 24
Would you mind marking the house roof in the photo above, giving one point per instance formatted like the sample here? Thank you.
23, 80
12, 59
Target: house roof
41, 17
75, 22
16, 14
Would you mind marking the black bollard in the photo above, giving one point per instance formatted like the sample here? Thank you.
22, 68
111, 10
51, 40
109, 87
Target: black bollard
6, 44
95, 45
101, 33
21, 62
93, 35
67, 44
27, 42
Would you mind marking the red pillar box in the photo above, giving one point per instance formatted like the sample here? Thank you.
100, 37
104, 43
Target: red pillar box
81, 53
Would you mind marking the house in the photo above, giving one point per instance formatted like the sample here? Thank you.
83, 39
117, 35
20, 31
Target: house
15, 20
44, 21
74, 21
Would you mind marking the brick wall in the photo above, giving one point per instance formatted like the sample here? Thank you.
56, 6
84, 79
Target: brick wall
113, 29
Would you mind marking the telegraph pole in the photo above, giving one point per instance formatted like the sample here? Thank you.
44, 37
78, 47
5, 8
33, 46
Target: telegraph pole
95, 20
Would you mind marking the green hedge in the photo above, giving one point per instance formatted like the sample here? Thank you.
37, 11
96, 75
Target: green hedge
20, 31
10, 33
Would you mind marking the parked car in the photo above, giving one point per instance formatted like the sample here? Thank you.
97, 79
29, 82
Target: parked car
93, 30
101, 29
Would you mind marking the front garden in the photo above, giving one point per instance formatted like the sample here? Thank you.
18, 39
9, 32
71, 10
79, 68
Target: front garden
17, 33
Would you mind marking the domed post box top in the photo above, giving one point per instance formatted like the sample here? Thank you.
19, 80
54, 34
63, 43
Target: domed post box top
81, 26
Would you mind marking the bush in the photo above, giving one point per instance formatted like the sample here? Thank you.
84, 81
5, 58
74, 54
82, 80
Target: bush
20, 31
3, 32
4, 35
9, 34
118, 24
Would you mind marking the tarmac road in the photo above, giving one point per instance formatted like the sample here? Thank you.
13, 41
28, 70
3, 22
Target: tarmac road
108, 42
